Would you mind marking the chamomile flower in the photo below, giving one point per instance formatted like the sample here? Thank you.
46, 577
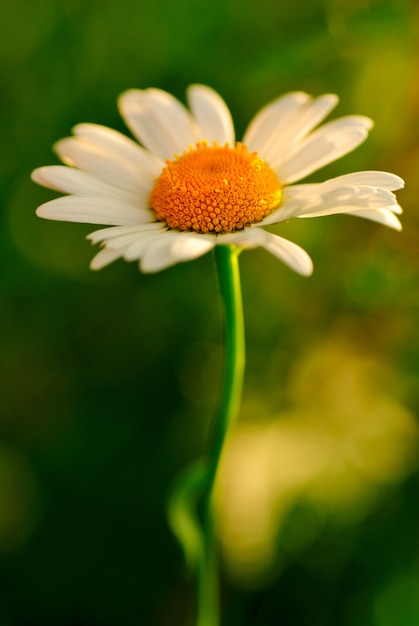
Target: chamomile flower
188, 186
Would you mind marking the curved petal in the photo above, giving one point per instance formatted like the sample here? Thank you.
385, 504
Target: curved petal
278, 114
93, 210
337, 196
212, 114
159, 121
127, 243
327, 144
116, 232
103, 258
74, 181
382, 216
290, 128
347, 199
386, 217
135, 251
251, 237
174, 247
119, 145
80, 153
290, 253
368, 178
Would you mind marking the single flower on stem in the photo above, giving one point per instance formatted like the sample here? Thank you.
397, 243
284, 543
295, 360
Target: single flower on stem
191, 188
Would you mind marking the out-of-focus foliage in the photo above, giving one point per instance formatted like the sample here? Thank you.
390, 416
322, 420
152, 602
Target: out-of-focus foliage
109, 380
342, 440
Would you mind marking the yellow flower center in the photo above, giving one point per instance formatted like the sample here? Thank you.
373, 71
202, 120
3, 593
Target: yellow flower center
219, 189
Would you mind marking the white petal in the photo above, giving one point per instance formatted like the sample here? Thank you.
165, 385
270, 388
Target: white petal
346, 199
212, 115
385, 180
368, 189
289, 253
385, 216
174, 247
115, 232
159, 121
136, 250
328, 143
396, 208
286, 210
71, 180
382, 216
130, 240
118, 144
295, 201
155, 250
285, 250
124, 242
250, 237
309, 202
285, 132
78, 152
278, 114
93, 210
104, 257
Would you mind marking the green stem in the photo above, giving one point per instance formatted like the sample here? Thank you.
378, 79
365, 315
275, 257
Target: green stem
227, 263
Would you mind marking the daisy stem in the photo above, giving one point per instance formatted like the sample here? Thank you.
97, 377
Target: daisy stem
227, 264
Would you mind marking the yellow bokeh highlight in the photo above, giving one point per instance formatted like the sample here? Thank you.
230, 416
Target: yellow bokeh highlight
342, 441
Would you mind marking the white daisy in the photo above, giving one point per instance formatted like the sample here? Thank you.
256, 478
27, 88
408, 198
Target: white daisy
190, 186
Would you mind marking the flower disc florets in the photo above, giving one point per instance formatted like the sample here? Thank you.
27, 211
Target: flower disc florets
218, 189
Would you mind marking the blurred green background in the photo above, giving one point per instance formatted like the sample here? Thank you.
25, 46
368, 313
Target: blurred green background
109, 380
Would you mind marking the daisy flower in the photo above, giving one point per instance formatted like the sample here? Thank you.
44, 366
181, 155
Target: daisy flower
190, 186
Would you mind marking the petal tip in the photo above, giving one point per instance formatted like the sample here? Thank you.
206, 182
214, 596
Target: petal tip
36, 175
93, 266
400, 182
40, 212
398, 226
305, 266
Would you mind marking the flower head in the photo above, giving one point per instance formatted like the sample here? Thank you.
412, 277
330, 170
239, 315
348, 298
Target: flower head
189, 186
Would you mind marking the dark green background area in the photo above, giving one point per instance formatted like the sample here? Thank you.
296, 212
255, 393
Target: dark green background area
95, 420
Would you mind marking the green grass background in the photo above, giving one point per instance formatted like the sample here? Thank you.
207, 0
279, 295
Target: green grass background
101, 401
